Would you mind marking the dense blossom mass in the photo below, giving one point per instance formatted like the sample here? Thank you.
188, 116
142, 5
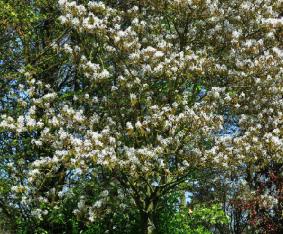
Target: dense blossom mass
156, 81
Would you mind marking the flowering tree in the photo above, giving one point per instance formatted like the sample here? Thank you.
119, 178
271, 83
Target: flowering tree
144, 109
27, 29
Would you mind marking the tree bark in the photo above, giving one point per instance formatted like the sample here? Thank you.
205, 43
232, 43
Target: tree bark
147, 223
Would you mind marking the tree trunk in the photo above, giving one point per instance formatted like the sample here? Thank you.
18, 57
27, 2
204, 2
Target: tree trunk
147, 224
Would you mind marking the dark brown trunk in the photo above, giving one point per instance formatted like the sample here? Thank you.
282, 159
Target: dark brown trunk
147, 225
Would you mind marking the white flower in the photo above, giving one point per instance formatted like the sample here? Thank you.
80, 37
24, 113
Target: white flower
98, 204
138, 125
31, 122
133, 99
62, 2
158, 54
68, 48
104, 193
37, 213
36, 142
236, 34
79, 117
81, 204
129, 126
55, 121
63, 19
104, 74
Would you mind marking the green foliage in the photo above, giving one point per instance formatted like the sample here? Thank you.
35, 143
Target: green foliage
201, 219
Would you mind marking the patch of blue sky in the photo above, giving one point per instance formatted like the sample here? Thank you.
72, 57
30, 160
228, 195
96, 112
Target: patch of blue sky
231, 122
231, 126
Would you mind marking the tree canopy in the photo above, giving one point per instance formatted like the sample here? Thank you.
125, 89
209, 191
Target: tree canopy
141, 116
